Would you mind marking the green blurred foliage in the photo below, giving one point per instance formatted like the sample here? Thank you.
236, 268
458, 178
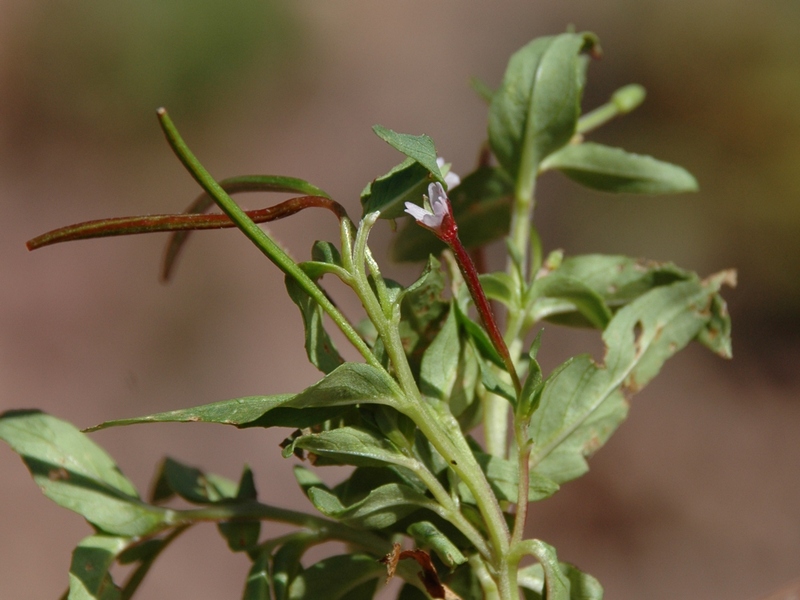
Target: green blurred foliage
107, 66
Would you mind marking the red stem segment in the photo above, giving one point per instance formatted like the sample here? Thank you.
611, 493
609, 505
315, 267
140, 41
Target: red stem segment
179, 222
447, 231
470, 274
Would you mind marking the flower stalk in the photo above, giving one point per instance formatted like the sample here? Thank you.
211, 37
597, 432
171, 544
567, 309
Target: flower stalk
439, 220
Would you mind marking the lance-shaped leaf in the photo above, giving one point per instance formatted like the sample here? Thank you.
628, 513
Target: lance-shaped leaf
77, 474
355, 446
406, 182
583, 402
320, 349
582, 298
242, 535
383, 506
536, 109
350, 384
481, 208
337, 578
190, 483
416, 147
582, 585
610, 169
239, 412
89, 577
439, 367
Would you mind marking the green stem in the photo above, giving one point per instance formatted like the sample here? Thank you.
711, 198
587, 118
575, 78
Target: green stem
488, 584
523, 448
375, 312
262, 512
440, 428
451, 511
259, 237
623, 101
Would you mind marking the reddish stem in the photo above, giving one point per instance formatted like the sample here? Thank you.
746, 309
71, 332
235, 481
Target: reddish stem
179, 222
448, 233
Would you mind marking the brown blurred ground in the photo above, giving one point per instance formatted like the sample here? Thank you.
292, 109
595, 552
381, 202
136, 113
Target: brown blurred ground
698, 494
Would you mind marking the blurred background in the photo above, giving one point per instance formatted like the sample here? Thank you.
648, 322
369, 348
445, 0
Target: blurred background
697, 495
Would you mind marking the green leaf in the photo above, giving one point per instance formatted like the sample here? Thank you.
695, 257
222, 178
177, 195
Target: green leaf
428, 535
465, 405
335, 578
286, 565
493, 383
77, 474
352, 446
89, 577
717, 334
394, 426
307, 479
532, 388
479, 337
416, 147
500, 286
536, 109
617, 280
258, 583
191, 484
352, 383
610, 169
556, 585
349, 384
439, 368
481, 208
320, 349
423, 311
503, 477
383, 506
583, 403
239, 412
583, 298
364, 480
406, 182
242, 535
582, 585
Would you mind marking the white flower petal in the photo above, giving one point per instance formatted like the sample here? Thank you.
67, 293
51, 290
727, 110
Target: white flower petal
417, 212
451, 180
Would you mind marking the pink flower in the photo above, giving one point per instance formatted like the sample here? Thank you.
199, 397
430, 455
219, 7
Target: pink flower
440, 208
